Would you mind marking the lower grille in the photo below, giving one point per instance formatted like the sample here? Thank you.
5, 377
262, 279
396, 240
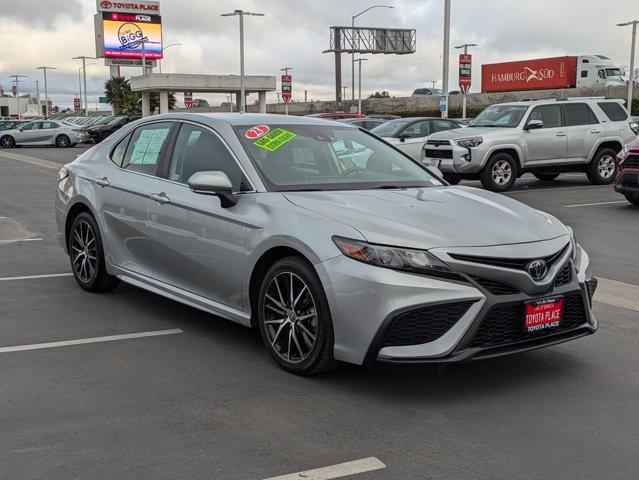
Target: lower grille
495, 288
564, 276
503, 324
424, 324
632, 161
432, 153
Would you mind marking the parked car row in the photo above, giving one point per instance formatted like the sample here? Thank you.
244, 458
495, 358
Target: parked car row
99, 128
53, 132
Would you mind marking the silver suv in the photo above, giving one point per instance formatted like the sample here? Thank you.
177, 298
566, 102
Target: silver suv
543, 137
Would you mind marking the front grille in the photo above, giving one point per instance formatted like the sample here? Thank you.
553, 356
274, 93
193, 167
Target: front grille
424, 324
438, 143
495, 288
514, 263
564, 276
432, 153
504, 324
631, 161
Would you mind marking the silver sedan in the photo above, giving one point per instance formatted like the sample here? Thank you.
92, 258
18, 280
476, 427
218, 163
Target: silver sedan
275, 223
43, 132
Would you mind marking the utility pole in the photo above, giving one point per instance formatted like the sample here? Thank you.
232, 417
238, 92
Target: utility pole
465, 47
353, 44
46, 92
241, 14
359, 95
632, 59
37, 82
446, 54
84, 68
16, 80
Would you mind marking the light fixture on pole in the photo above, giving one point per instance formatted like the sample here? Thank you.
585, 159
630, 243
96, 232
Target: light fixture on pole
631, 75
446, 57
359, 95
164, 48
241, 14
353, 42
465, 47
46, 92
84, 65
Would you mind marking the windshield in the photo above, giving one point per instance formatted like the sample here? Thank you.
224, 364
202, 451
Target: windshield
326, 157
500, 116
613, 72
390, 128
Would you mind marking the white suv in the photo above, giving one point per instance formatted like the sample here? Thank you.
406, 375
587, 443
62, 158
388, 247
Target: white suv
544, 137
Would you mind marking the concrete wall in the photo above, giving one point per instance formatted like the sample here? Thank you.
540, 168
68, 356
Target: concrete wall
415, 106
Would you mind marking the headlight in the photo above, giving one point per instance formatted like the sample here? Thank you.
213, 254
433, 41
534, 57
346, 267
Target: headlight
416, 261
624, 149
575, 248
470, 142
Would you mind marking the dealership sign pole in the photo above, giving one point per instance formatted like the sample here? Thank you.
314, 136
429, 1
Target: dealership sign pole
287, 87
465, 73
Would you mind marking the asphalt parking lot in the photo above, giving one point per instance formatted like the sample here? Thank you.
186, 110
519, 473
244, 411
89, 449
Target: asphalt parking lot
176, 393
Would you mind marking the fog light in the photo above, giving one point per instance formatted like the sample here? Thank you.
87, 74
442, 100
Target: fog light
591, 284
466, 157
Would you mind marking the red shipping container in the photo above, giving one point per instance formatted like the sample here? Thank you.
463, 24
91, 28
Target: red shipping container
536, 74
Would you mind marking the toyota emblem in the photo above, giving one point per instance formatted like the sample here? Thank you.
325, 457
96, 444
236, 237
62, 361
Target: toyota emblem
106, 4
537, 269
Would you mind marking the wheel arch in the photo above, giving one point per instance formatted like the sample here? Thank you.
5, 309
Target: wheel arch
513, 151
615, 144
79, 206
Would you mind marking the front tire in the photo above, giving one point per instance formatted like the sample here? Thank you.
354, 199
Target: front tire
294, 318
633, 198
500, 173
7, 141
601, 170
86, 254
546, 177
62, 141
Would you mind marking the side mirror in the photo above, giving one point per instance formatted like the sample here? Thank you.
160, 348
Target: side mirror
214, 183
534, 125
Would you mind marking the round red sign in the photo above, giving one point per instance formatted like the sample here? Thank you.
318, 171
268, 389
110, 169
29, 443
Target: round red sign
257, 131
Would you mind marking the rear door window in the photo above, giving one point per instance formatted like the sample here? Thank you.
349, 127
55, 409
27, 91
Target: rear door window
144, 149
614, 111
578, 114
117, 155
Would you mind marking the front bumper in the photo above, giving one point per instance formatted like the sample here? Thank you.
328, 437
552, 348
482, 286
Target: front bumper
451, 158
365, 302
627, 181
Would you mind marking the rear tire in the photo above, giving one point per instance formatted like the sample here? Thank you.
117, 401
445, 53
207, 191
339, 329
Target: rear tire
452, 178
7, 141
86, 254
500, 173
601, 170
62, 141
633, 198
295, 319
546, 177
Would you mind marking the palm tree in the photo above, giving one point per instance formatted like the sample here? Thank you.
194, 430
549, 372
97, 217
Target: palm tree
126, 102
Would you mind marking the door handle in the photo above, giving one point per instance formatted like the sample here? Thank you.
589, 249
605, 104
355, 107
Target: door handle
160, 198
561, 134
103, 182
595, 131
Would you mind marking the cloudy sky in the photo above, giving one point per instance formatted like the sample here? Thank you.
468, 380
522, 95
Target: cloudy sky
294, 33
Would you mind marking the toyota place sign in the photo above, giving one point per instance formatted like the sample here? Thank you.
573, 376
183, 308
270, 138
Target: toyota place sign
148, 7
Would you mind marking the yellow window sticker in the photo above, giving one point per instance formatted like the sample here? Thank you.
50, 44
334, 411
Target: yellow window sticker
275, 140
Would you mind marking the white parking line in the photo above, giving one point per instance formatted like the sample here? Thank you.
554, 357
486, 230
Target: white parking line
16, 240
596, 203
83, 341
529, 190
30, 277
31, 160
335, 471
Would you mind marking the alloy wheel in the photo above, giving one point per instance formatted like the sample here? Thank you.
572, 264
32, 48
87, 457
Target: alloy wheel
290, 317
84, 251
7, 142
63, 142
606, 166
501, 172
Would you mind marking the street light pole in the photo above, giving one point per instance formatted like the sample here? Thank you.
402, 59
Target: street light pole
359, 96
465, 47
84, 65
632, 59
46, 92
241, 14
446, 54
353, 43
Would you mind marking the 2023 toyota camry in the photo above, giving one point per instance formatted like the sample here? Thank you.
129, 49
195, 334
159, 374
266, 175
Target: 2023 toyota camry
337, 246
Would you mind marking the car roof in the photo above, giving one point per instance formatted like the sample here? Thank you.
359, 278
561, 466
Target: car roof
240, 119
559, 101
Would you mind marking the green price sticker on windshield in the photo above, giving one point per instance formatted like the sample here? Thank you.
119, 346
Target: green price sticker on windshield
275, 140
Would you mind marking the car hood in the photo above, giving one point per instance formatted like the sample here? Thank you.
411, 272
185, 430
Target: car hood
433, 216
465, 132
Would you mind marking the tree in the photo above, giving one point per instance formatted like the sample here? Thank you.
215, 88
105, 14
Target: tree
383, 94
126, 102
